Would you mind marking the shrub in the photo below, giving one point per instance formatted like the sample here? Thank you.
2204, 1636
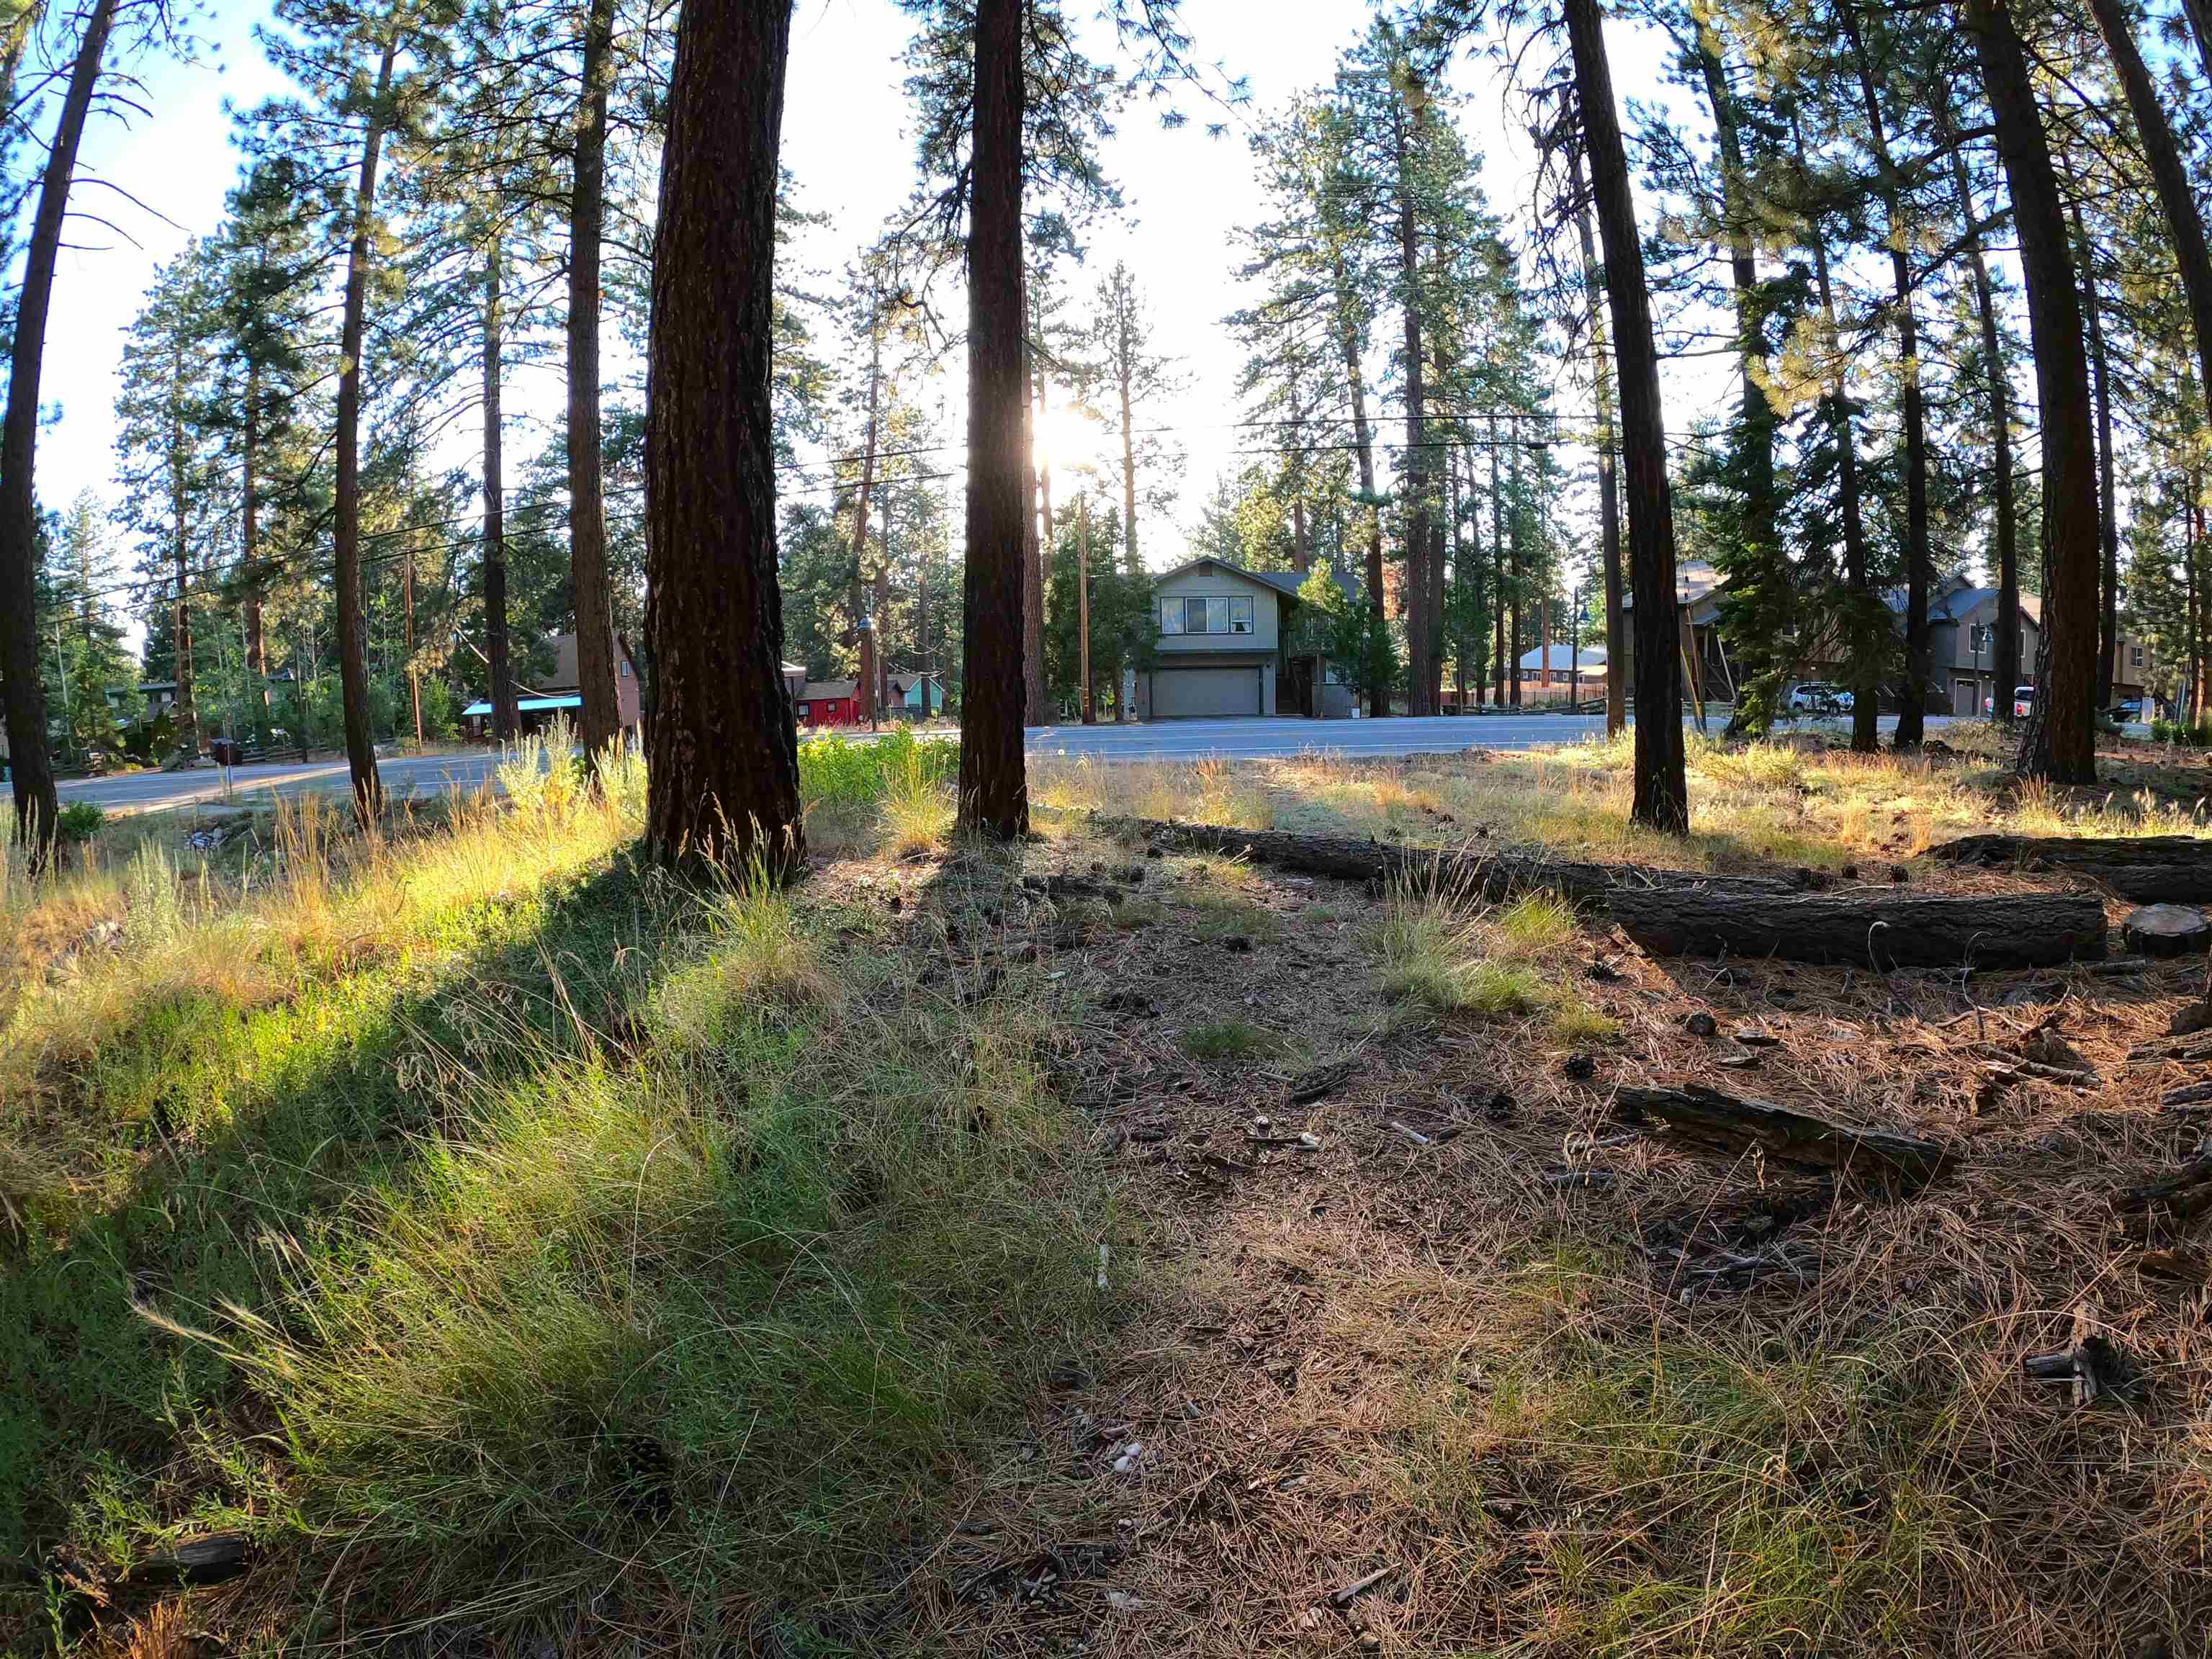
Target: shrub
81, 820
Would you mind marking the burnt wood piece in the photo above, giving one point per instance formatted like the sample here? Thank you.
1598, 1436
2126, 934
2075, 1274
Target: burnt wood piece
2148, 869
210, 1560
1729, 1123
2184, 1193
1876, 929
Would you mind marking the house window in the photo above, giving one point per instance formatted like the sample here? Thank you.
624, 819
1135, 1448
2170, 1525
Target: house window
1171, 615
802, 711
1240, 616
2135, 656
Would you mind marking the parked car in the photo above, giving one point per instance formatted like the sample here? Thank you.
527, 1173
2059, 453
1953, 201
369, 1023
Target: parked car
2128, 711
2023, 699
1819, 697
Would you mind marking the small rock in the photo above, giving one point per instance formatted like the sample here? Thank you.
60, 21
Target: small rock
1579, 1065
1739, 1062
1309, 1142
1498, 1109
2189, 1019
1128, 1460
1122, 1602
1700, 1023
1898, 873
1262, 1122
1751, 1037
1604, 972
1238, 944
1849, 872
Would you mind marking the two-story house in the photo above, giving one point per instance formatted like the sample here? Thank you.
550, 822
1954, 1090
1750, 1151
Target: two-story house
1221, 651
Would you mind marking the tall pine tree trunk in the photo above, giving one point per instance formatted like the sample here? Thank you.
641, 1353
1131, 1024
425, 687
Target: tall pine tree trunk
2005, 510
353, 645
601, 721
2108, 502
1124, 352
1866, 619
1499, 596
870, 637
993, 781
187, 709
1755, 418
1913, 705
1608, 491
506, 718
249, 550
2168, 175
1516, 579
1662, 793
723, 781
1418, 621
23, 694
2060, 742
1348, 339
1034, 693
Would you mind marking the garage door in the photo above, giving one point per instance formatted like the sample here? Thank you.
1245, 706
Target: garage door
1201, 693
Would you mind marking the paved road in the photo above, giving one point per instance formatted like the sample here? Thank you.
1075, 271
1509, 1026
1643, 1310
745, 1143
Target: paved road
1243, 739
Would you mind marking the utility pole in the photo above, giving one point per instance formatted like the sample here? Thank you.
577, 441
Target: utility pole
1083, 600
1575, 652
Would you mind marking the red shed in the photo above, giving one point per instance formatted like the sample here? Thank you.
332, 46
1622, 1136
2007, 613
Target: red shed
829, 702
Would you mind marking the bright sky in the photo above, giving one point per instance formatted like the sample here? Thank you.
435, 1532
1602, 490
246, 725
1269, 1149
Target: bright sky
846, 139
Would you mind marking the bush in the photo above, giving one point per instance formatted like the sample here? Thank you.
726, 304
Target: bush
2198, 736
81, 820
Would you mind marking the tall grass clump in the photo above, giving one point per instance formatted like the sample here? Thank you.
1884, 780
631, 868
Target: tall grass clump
899, 782
684, 1339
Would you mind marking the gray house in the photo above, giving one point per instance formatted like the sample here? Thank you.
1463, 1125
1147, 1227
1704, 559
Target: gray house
1222, 648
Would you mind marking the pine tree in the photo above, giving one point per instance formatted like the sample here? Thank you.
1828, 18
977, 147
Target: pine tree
36, 812
2060, 741
723, 782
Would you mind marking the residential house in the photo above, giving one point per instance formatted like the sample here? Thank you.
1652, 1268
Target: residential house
1962, 648
915, 697
1223, 649
1962, 645
561, 692
829, 702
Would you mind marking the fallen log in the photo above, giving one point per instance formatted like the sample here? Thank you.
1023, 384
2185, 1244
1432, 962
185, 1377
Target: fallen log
1489, 874
2148, 869
1686, 912
1876, 929
1728, 1123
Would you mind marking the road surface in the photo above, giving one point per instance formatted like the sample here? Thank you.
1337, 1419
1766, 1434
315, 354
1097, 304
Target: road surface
1165, 740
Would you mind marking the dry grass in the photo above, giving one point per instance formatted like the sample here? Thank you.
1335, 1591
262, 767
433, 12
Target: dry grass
1777, 803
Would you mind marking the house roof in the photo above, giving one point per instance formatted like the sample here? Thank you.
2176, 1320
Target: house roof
1957, 606
827, 690
1563, 658
1695, 581
527, 706
1286, 582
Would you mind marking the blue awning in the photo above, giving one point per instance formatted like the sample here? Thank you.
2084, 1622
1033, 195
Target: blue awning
527, 706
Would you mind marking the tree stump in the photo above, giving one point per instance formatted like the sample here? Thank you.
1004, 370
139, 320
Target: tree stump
2167, 930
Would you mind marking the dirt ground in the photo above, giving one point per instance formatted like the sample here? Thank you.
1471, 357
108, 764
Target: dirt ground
1426, 1351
